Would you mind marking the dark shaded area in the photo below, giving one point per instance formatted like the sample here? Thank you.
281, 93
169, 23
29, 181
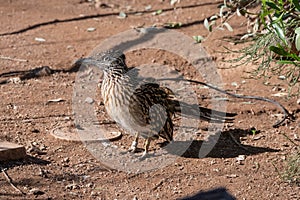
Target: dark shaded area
224, 148
215, 194
29, 160
57, 21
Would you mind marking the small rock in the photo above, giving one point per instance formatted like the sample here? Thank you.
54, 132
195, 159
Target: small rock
89, 100
122, 15
298, 101
282, 77
70, 47
91, 29
149, 7
257, 137
241, 158
234, 84
72, 186
89, 185
35, 143
36, 191
15, 80
232, 176
43, 147
34, 149
43, 173
38, 39
93, 194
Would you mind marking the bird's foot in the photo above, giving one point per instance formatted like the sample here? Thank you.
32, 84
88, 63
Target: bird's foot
133, 147
146, 155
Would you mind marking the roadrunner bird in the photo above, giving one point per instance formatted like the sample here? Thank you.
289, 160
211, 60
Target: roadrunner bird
142, 108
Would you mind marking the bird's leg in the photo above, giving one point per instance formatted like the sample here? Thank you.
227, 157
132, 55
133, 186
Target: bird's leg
146, 146
134, 143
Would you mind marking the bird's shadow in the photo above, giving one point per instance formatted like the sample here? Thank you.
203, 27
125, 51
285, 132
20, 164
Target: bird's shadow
224, 147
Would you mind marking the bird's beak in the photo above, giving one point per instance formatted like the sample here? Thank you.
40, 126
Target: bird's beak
85, 61
88, 62
79, 64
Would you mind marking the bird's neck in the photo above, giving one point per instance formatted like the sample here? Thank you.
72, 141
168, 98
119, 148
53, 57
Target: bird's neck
115, 81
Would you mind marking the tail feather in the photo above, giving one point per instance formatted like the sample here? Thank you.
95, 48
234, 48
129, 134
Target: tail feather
196, 111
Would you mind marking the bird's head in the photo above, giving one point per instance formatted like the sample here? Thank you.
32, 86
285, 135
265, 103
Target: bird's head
109, 61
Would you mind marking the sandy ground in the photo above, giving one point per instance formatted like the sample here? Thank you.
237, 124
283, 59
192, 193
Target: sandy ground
67, 170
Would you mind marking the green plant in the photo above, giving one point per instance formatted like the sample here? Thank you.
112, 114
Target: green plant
274, 35
292, 171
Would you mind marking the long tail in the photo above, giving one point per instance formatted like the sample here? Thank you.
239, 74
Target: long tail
196, 111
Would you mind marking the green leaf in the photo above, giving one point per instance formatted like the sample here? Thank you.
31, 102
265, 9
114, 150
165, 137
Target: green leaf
280, 32
297, 30
159, 12
207, 26
297, 42
296, 4
198, 38
272, 5
285, 62
173, 25
279, 51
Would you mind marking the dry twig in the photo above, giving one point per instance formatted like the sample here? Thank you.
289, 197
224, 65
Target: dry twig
9, 180
13, 59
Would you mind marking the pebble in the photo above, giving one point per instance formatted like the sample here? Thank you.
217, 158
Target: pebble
89, 100
122, 15
232, 176
241, 158
91, 29
149, 7
36, 191
72, 186
39, 39
234, 84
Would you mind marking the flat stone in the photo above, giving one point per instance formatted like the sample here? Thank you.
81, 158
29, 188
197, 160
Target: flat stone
11, 151
71, 134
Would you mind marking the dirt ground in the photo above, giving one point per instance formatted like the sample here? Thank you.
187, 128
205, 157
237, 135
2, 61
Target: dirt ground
58, 169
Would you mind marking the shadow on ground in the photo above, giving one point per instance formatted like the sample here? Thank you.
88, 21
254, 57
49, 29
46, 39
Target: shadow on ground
225, 147
29, 160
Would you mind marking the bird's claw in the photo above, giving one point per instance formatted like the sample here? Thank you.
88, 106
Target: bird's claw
133, 147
